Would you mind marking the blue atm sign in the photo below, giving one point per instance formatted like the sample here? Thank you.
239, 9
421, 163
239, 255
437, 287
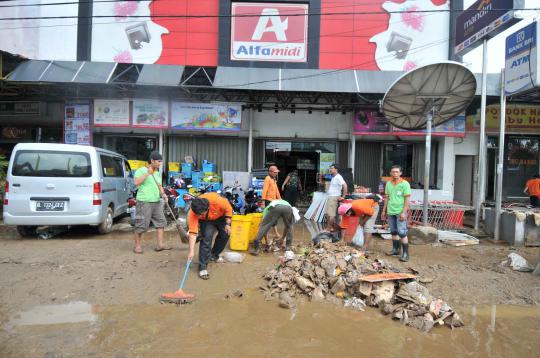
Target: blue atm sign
521, 60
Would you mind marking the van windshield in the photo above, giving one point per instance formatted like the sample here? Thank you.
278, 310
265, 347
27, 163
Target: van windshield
37, 163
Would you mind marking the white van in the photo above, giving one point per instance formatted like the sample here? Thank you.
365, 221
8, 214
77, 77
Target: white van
63, 184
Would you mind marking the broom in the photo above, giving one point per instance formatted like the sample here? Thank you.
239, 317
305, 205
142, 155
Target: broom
179, 296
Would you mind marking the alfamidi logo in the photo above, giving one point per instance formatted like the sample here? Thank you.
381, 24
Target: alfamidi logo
269, 32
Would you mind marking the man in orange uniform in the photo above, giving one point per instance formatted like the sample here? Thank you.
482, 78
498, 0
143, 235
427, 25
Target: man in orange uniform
209, 213
271, 192
367, 210
533, 189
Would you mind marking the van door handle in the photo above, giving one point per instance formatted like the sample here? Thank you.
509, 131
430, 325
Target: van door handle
50, 186
16, 185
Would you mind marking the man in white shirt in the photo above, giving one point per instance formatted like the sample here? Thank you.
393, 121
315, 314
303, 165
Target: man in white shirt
336, 192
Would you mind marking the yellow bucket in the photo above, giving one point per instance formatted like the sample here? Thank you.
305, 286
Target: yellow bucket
255, 222
240, 230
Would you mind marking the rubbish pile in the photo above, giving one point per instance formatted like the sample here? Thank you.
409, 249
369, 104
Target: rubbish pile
343, 275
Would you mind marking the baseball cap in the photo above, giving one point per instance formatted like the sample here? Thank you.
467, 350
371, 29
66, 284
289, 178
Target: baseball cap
344, 208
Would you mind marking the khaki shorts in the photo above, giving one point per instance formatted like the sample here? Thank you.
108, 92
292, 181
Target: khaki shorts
332, 206
369, 226
146, 212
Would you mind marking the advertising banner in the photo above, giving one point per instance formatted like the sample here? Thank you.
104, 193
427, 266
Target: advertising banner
149, 113
484, 18
519, 119
207, 117
272, 32
19, 108
521, 60
370, 122
77, 124
111, 113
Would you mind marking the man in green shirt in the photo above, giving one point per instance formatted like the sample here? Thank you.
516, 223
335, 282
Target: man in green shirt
149, 206
272, 213
396, 206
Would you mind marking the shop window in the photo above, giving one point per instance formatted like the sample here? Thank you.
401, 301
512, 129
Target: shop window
522, 155
135, 148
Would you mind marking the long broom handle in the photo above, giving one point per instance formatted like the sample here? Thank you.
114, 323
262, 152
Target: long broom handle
186, 270
181, 231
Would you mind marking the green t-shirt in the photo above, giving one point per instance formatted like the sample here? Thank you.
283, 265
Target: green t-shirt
396, 196
148, 190
274, 203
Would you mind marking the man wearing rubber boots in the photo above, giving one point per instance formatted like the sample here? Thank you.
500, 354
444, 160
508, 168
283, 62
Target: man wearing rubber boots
396, 206
149, 207
272, 213
209, 213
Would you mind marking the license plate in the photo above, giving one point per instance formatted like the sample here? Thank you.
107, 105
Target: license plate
50, 206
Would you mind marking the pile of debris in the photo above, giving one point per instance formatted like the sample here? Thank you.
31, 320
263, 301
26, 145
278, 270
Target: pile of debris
343, 275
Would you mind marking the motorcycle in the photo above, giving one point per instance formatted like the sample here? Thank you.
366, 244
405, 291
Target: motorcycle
188, 197
253, 202
235, 196
172, 200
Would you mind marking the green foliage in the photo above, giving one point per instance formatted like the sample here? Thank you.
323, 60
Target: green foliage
3, 166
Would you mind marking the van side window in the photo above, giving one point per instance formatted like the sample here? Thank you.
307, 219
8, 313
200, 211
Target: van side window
111, 167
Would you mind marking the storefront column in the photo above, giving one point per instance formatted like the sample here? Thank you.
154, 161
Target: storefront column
352, 154
250, 141
160, 143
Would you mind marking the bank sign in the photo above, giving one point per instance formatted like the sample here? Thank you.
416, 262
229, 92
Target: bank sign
269, 32
521, 59
483, 19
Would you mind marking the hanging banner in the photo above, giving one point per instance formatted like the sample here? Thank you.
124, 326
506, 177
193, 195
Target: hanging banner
519, 119
149, 113
370, 122
207, 117
77, 124
111, 113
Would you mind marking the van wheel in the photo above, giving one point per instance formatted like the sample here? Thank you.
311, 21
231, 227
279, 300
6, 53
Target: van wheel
27, 231
106, 226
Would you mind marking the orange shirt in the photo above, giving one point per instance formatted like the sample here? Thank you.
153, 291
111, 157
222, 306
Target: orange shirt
363, 207
219, 207
533, 187
270, 190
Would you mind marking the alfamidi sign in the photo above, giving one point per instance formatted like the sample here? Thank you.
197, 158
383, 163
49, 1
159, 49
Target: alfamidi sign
484, 19
269, 32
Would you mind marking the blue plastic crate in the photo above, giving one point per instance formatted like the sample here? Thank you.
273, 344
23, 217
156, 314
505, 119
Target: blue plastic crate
208, 167
187, 169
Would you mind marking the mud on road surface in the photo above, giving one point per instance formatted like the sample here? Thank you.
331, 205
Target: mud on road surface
109, 300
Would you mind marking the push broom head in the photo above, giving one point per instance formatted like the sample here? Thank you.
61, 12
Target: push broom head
178, 297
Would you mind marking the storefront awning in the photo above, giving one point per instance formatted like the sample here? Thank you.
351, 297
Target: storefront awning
160, 75
63, 71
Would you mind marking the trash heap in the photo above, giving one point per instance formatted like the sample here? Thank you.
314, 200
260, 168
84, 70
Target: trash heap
344, 276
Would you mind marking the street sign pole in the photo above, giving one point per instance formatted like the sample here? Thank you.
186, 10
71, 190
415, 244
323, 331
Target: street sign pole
482, 143
500, 164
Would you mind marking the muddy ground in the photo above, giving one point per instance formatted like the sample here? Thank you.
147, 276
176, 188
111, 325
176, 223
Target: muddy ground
123, 289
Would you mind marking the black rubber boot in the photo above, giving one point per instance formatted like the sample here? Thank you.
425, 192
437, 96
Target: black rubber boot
405, 255
395, 248
255, 249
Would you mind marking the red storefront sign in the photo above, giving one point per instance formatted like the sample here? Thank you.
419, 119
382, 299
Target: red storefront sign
269, 32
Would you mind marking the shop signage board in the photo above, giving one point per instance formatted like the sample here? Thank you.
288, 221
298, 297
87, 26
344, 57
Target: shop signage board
19, 108
521, 60
77, 124
325, 161
519, 119
111, 113
15, 133
370, 122
484, 19
206, 116
149, 113
275, 33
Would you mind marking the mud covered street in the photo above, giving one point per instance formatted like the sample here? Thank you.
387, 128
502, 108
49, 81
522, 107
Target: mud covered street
110, 303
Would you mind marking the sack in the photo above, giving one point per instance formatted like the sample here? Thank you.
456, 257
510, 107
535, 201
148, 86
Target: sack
358, 239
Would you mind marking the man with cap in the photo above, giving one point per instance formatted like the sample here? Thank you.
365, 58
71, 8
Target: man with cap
149, 206
277, 209
209, 212
270, 191
367, 210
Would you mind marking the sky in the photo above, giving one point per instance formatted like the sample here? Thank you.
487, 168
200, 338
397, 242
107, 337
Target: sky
496, 45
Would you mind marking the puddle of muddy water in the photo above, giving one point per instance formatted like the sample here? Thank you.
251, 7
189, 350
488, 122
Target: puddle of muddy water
73, 312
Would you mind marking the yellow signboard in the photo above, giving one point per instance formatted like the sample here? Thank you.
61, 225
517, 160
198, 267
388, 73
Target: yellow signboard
519, 119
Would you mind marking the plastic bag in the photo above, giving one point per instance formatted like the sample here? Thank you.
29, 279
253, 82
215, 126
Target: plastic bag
358, 239
296, 214
518, 263
233, 257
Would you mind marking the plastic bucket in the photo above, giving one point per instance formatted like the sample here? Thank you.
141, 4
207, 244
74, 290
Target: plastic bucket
241, 225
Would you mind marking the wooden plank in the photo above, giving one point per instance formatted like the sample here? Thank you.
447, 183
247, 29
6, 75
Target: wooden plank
379, 277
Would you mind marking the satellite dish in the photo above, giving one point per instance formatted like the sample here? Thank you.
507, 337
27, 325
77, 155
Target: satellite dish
445, 89
426, 96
